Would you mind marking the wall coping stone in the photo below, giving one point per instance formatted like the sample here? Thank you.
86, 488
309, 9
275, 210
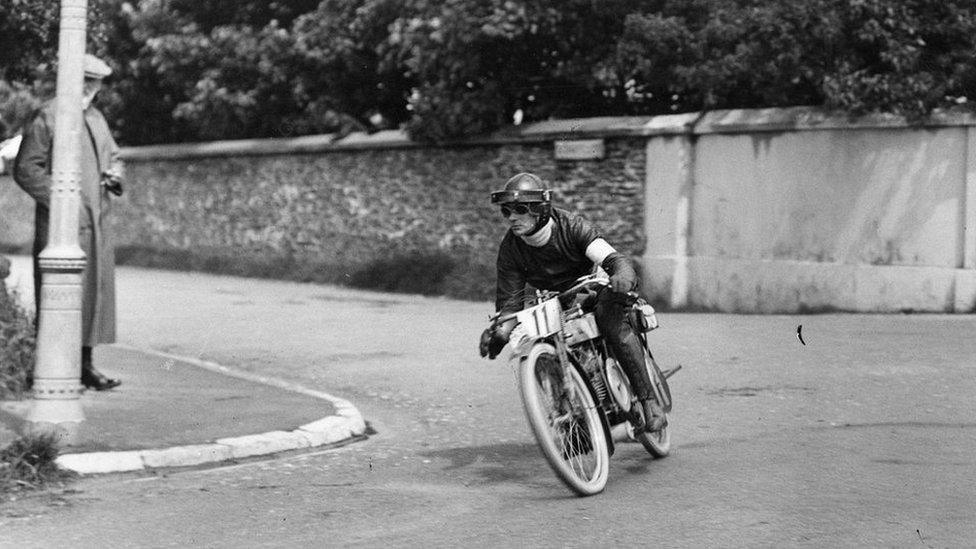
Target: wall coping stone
693, 123
814, 118
242, 147
578, 128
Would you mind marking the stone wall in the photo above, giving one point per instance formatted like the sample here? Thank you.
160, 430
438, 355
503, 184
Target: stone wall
349, 204
353, 206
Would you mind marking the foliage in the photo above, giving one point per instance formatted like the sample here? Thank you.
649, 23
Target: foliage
197, 80
475, 63
17, 339
446, 69
29, 463
17, 104
343, 81
908, 57
705, 54
28, 54
858, 56
28, 31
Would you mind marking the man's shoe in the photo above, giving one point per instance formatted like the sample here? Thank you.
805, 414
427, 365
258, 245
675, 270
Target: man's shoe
93, 379
655, 414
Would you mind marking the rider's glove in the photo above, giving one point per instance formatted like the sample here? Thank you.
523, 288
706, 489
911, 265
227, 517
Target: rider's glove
112, 183
493, 339
623, 277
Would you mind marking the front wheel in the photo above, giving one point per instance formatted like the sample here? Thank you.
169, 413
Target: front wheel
564, 420
657, 443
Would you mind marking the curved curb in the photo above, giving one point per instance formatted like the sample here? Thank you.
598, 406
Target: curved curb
347, 424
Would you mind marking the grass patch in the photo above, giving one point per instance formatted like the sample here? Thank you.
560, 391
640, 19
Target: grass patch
218, 261
15, 249
436, 273
17, 342
27, 463
431, 273
412, 274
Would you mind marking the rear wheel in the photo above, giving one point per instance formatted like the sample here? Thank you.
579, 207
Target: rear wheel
657, 443
564, 420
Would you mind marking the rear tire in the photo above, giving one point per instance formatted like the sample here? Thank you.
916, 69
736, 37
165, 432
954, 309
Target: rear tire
657, 443
565, 421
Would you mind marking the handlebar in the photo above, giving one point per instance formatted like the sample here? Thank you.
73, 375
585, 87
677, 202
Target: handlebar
582, 283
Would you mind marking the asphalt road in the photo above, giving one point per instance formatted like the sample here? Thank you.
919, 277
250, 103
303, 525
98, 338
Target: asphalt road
864, 436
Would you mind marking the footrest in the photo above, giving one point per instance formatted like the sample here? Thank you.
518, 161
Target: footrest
668, 373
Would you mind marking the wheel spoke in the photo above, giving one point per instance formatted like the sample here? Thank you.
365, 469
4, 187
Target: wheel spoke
577, 456
567, 429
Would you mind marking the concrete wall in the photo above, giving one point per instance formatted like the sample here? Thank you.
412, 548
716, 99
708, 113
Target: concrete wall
791, 210
778, 210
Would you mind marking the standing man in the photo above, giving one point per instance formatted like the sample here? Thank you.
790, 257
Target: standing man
101, 174
549, 248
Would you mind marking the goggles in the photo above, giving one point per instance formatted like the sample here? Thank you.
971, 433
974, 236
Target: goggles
533, 195
521, 208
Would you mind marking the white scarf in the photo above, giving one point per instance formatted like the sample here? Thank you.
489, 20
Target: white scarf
539, 238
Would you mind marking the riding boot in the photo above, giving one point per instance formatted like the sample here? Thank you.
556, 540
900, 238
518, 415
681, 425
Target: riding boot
631, 357
656, 419
92, 378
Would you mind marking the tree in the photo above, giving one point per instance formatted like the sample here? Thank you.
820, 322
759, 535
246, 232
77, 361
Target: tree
188, 81
476, 62
859, 56
28, 55
28, 32
206, 71
446, 69
341, 81
908, 57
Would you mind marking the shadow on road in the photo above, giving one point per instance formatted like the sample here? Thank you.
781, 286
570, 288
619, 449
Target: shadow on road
497, 463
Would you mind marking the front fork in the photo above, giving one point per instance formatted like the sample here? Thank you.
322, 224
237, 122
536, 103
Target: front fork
562, 352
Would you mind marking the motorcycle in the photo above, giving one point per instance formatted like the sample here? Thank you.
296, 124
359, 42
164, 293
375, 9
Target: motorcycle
577, 397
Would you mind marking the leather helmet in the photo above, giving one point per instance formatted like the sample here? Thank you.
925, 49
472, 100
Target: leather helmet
528, 188
523, 187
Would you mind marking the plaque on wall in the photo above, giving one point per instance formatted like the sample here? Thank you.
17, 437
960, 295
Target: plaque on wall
580, 149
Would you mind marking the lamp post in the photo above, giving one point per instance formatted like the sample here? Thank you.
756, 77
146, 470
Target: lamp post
56, 407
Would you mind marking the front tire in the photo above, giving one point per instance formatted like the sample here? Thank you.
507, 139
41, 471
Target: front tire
564, 420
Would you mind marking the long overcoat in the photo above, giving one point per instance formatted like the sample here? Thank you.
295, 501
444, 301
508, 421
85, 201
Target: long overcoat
32, 172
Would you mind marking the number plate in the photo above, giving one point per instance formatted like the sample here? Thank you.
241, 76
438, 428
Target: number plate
542, 320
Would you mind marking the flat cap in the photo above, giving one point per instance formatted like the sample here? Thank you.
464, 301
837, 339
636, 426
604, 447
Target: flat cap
95, 67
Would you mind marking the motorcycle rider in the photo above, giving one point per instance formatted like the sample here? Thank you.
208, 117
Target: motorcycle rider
550, 248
